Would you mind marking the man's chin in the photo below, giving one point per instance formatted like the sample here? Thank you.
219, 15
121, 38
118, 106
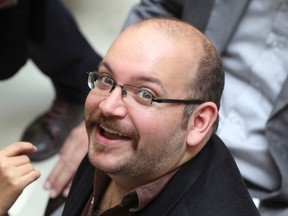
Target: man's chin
103, 166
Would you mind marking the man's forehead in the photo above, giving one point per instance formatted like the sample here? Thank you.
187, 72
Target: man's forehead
137, 47
172, 28
138, 75
185, 36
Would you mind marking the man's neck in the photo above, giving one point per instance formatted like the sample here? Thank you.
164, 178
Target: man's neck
112, 196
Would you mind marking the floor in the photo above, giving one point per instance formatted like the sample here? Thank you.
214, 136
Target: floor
29, 93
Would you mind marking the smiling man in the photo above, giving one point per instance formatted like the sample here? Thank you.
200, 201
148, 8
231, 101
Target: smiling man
151, 117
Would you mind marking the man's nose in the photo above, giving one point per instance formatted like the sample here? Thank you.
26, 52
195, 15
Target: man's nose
114, 105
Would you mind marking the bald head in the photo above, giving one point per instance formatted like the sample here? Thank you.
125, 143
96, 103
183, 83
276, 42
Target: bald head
181, 32
208, 82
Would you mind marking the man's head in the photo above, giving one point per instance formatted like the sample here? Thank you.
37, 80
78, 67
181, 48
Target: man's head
152, 60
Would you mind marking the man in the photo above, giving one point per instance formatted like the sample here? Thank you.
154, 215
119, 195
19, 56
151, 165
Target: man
251, 37
150, 118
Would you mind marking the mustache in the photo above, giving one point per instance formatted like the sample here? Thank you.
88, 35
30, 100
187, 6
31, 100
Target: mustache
99, 120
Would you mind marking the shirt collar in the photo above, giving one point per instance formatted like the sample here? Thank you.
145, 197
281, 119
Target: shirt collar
143, 194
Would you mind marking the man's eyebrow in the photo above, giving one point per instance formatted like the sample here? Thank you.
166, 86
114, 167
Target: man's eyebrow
143, 78
105, 64
149, 79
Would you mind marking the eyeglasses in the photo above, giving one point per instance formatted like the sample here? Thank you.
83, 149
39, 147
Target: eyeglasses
104, 85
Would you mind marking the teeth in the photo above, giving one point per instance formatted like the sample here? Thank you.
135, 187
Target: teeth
113, 131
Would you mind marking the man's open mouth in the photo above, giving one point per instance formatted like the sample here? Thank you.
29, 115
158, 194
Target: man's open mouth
112, 134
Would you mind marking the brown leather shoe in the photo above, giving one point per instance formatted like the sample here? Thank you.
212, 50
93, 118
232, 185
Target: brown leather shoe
49, 131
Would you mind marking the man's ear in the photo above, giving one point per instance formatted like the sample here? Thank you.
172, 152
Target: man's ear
201, 123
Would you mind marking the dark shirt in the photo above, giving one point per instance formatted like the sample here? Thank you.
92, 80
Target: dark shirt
132, 202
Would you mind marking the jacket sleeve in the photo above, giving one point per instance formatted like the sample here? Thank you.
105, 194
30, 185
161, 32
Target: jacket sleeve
154, 8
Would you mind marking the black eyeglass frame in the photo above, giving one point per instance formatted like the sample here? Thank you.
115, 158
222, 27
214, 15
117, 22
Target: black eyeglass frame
157, 100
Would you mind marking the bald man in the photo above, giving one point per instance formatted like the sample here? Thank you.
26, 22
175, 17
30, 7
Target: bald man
151, 117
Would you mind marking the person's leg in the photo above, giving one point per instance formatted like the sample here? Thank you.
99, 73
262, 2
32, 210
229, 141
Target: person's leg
13, 38
64, 56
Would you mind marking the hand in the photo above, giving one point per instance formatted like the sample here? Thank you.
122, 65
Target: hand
16, 172
74, 149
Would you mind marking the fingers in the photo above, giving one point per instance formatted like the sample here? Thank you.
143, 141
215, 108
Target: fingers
61, 176
17, 160
71, 154
11, 188
12, 182
16, 172
58, 179
19, 177
67, 189
26, 169
18, 148
30, 177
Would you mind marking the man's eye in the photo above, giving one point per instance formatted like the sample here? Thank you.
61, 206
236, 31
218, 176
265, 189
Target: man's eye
106, 80
145, 94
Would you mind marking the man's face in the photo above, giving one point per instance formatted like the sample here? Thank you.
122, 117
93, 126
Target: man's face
129, 139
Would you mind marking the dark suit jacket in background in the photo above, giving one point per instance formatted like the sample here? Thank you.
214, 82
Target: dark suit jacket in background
208, 185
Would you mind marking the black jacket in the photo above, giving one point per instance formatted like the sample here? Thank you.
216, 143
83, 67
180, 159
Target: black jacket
209, 184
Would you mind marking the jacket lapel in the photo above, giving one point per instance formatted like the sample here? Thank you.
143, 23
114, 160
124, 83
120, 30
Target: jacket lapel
223, 21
